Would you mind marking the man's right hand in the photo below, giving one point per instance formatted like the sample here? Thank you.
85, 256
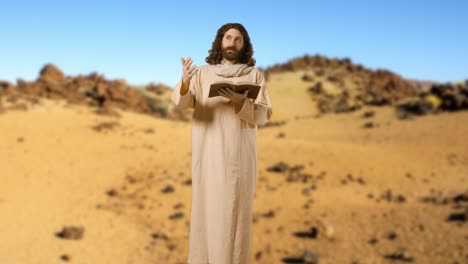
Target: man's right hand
188, 70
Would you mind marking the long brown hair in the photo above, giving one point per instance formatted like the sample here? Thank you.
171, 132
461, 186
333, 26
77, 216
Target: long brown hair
215, 55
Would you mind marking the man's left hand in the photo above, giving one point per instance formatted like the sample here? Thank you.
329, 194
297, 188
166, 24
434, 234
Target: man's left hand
236, 98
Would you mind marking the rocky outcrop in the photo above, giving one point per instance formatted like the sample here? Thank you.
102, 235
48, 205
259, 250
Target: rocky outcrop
339, 85
92, 89
439, 97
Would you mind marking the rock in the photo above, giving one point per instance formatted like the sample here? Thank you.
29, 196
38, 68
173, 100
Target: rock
176, 215
391, 236
421, 227
159, 235
322, 175
258, 255
151, 131
6, 89
51, 73
400, 198
316, 88
71, 232
336, 79
171, 246
297, 176
368, 125
401, 254
459, 198
434, 200
269, 214
361, 181
105, 126
187, 182
308, 77
112, 192
325, 229
458, 216
178, 206
324, 105
320, 72
279, 167
343, 106
310, 257
388, 196
168, 189
368, 114
131, 179
312, 233
306, 192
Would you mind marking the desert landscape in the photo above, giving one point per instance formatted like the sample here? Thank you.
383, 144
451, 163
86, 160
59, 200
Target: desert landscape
356, 166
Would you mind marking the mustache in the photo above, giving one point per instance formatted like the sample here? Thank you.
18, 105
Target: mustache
231, 48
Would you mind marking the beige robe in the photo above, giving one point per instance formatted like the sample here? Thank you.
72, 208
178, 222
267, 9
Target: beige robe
224, 167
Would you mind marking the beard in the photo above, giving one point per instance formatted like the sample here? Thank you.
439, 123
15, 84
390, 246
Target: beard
231, 56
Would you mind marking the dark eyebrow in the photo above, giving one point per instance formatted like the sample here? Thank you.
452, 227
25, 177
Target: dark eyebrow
229, 35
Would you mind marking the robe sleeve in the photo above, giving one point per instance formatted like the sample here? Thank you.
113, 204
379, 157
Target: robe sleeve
187, 100
258, 111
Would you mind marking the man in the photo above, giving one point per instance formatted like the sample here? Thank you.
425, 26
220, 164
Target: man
224, 148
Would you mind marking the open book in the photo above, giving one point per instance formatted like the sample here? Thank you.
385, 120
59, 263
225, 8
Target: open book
238, 88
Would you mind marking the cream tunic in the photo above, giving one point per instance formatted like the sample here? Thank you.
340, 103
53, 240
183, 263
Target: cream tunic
224, 167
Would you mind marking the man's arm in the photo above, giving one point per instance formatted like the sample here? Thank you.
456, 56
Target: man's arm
184, 95
184, 88
185, 91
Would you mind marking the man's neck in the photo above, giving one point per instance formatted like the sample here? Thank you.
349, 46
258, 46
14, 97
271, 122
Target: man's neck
228, 62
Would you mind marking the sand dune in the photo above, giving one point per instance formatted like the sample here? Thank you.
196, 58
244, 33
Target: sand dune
327, 185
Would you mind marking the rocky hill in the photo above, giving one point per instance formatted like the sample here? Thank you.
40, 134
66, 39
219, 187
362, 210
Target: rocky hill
93, 90
334, 85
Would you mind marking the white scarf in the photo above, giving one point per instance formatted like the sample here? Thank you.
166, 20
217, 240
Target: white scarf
227, 70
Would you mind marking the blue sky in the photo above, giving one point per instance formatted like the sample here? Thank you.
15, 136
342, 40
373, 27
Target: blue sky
142, 41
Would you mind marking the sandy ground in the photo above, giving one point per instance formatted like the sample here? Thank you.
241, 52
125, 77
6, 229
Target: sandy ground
351, 195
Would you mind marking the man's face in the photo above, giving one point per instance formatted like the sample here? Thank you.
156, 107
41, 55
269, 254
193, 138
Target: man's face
232, 45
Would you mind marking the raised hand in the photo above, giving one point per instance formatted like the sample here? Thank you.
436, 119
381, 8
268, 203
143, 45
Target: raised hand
188, 70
